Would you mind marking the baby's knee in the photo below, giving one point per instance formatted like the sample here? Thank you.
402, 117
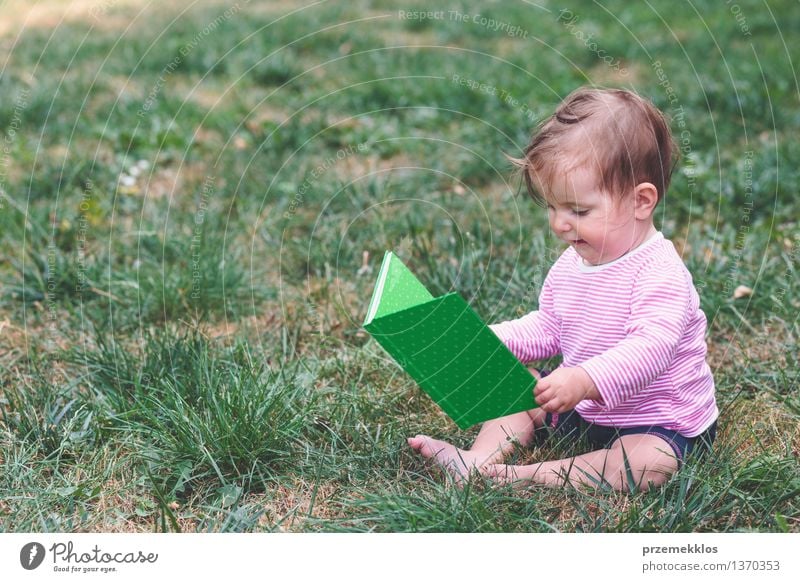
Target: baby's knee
642, 458
537, 416
535, 372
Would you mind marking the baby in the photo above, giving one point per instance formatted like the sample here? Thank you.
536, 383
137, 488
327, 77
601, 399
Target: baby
618, 304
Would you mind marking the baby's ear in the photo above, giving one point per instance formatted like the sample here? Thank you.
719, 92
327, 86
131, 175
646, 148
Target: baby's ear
645, 200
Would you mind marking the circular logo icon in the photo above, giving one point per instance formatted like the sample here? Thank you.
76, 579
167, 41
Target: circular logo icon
31, 555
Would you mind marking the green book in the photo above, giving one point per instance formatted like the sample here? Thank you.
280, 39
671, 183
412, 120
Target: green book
446, 348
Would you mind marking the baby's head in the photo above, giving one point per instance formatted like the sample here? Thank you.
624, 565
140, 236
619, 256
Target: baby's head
601, 163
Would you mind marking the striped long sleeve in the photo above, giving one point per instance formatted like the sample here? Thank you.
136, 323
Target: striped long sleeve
534, 336
659, 308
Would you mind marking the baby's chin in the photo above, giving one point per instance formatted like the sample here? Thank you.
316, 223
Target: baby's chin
595, 260
589, 254
581, 247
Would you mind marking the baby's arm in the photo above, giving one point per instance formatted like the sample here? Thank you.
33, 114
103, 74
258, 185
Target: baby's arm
660, 309
534, 336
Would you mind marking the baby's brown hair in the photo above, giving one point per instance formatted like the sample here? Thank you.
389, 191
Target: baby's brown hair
622, 135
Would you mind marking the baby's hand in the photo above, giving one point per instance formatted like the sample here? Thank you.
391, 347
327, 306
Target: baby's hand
563, 389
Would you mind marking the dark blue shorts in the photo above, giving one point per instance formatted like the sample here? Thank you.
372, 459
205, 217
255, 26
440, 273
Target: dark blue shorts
572, 425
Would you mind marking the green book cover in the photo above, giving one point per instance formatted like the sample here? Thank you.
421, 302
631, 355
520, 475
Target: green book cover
446, 348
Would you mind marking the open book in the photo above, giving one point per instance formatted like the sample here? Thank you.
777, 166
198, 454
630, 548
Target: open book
443, 344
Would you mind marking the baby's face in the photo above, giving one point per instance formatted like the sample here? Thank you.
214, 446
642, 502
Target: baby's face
599, 226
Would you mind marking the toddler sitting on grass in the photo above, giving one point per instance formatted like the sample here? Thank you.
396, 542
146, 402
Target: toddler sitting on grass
618, 304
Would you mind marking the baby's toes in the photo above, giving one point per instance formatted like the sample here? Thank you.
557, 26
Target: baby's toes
500, 474
494, 471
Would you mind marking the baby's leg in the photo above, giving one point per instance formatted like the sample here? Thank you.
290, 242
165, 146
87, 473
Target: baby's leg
495, 440
650, 459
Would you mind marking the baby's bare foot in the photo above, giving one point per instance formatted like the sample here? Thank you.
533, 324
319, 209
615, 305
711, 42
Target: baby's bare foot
516, 475
457, 461
503, 474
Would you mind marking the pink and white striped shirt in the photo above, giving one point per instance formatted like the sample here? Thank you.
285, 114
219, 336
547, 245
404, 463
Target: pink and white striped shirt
635, 326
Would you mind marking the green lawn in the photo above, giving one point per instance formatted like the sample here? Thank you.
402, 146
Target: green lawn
194, 203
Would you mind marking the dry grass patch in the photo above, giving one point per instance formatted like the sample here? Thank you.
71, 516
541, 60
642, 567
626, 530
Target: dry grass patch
106, 15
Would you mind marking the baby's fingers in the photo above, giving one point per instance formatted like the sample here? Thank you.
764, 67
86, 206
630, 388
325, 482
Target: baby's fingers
544, 396
550, 402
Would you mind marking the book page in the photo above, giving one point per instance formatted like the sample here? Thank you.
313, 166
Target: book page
396, 289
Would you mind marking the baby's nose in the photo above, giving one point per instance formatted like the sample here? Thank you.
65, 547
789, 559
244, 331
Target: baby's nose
561, 225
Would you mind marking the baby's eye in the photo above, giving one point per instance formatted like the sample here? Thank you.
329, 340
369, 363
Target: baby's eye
580, 212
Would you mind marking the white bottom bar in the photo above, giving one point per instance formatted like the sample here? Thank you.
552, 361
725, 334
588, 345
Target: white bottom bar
372, 557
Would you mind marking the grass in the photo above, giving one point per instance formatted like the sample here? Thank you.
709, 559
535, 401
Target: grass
191, 224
